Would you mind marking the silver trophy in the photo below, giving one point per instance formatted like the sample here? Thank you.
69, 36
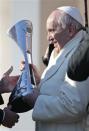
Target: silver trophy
21, 33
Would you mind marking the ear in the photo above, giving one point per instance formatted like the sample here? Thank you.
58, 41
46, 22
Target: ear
71, 30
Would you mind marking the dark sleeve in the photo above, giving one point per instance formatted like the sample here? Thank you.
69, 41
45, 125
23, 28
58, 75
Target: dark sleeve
78, 67
1, 116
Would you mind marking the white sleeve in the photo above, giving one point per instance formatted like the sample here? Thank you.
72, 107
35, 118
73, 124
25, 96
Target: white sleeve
65, 107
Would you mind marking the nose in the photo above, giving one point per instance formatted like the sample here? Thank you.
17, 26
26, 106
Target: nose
50, 37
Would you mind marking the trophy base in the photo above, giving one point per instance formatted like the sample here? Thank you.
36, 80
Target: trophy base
19, 106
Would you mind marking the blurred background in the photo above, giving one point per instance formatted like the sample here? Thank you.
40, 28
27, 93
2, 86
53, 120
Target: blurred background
12, 11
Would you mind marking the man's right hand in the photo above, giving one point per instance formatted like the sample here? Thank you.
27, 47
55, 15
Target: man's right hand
10, 118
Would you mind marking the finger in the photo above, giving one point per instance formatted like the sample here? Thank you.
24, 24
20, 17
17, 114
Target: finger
17, 116
28, 51
9, 107
11, 125
17, 120
8, 72
22, 62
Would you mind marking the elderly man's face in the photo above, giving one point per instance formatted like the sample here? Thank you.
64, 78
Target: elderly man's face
55, 34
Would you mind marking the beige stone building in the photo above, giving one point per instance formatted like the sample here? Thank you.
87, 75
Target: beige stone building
37, 11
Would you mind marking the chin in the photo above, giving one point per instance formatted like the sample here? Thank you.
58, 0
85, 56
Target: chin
57, 50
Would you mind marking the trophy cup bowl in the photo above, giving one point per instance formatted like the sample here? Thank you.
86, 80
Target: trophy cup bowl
21, 33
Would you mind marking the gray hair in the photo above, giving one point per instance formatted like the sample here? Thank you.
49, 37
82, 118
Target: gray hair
66, 20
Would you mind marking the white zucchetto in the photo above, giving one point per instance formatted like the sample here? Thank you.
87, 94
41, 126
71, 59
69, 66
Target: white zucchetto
73, 12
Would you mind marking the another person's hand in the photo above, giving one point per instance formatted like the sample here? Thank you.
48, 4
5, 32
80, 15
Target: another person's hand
10, 118
22, 64
7, 82
36, 74
35, 71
